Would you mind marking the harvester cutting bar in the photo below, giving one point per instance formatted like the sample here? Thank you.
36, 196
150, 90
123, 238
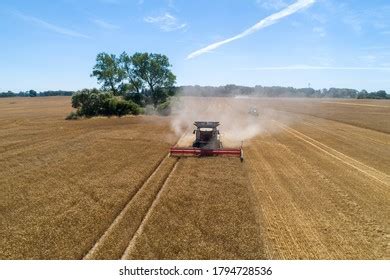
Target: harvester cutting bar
177, 151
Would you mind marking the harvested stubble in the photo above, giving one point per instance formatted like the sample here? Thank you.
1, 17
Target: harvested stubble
64, 182
115, 240
204, 212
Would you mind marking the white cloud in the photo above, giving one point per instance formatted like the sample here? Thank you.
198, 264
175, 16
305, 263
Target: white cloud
104, 24
166, 22
49, 26
270, 20
272, 4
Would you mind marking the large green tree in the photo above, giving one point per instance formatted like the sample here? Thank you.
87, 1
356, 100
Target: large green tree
154, 72
133, 87
145, 78
108, 72
127, 65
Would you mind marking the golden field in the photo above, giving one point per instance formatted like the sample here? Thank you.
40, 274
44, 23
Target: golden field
314, 184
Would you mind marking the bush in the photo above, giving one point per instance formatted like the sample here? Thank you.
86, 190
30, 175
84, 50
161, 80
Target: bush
120, 107
134, 108
135, 97
91, 103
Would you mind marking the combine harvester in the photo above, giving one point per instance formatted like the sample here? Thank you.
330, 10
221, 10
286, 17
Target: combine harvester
207, 143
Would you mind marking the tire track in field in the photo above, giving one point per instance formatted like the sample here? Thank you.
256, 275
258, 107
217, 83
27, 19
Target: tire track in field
123, 213
141, 227
96, 251
331, 240
354, 124
365, 169
372, 152
288, 196
308, 120
315, 126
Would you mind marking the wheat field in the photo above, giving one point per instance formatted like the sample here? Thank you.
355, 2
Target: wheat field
314, 184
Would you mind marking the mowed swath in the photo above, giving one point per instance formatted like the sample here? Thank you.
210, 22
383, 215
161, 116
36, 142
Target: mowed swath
314, 185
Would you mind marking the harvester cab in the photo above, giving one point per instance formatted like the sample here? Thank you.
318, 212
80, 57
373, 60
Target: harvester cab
207, 135
207, 143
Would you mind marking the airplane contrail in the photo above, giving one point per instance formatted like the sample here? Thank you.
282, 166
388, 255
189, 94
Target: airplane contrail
272, 19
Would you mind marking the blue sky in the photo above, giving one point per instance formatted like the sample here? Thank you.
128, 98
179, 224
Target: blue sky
53, 44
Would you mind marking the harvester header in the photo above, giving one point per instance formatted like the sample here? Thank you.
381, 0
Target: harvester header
207, 143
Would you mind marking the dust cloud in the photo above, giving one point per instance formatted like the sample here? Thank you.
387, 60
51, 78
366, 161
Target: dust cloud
236, 124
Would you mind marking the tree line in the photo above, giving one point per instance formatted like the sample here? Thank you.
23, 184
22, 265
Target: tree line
277, 91
33, 93
233, 90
